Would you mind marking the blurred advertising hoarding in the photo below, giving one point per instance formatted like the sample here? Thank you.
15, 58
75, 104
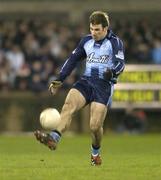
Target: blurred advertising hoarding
139, 85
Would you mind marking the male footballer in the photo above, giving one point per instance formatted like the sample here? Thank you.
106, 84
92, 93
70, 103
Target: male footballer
104, 55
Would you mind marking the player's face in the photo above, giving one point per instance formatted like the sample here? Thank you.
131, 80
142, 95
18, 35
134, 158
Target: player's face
98, 32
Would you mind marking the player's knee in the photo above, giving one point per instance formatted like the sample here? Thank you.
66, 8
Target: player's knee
95, 126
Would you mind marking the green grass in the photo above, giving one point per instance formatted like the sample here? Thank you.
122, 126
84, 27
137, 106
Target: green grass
124, 157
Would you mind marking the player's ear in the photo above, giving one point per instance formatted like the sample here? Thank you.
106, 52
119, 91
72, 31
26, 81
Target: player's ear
105, 29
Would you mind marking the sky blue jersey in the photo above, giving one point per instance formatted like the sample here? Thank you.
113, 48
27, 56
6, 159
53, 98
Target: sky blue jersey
107, 53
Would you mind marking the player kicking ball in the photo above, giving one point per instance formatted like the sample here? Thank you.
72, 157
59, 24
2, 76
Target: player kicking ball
104, 55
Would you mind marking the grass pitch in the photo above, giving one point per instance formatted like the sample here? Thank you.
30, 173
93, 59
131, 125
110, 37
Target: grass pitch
125, 157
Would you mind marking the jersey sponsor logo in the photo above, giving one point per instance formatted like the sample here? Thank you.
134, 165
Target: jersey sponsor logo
102, 59
120, 55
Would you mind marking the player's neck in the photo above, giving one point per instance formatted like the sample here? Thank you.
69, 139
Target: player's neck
102, 38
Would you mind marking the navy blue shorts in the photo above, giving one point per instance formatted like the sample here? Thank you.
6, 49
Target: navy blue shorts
95, 90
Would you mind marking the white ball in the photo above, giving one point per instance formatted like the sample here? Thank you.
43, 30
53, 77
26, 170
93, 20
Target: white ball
49, 118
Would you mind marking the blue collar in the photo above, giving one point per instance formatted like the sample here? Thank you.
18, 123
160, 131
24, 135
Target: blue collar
99, 43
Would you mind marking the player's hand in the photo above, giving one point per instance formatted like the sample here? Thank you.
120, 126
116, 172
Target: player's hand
54, 86
108, 74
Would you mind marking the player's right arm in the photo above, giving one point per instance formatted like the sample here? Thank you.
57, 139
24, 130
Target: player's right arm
77, 55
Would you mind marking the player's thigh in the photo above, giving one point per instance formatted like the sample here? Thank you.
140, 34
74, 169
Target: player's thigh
98, 113
74, 100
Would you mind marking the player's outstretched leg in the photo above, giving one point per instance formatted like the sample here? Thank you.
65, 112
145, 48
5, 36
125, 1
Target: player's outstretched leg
49, 140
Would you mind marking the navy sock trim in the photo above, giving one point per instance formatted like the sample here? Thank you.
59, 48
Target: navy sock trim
95, 147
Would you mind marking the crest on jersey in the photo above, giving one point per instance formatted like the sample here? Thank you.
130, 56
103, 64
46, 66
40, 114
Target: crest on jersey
120, 55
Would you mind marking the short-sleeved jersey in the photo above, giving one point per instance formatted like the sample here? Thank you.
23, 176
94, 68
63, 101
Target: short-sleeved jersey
107, 53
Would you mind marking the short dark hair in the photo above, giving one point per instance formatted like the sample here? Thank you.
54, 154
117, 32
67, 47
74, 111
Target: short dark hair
99, 17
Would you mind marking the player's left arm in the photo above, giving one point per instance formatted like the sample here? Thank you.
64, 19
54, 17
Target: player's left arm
118, 58
118, 61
